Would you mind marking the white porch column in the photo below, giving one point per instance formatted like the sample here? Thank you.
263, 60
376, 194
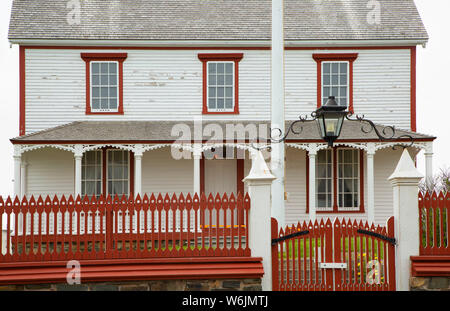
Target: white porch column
138, 170
405, 181
259, 182
429, 162
370, 183
312, 181
277, 111
78, 158
197, 154
17, 164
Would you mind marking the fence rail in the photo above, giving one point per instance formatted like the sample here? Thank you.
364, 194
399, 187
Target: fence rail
434, 215
154, 226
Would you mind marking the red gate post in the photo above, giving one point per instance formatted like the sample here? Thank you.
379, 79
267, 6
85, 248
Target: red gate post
405, 181
275, 260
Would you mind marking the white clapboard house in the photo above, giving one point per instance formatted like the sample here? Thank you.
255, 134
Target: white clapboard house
114, 93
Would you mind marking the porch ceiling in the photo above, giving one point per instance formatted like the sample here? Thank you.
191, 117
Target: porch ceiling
161, 131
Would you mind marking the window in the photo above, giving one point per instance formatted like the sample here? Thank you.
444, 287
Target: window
104, 86
335, 78
104, 82
91, 173
220, 83
335, 82
339, 180
118, 174
106, 171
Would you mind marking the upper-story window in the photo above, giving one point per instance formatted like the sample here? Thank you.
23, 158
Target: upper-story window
335, 78
104, 82
220, 83
335, 82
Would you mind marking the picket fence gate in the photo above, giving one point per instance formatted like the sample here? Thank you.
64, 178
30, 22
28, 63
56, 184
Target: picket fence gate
342, 255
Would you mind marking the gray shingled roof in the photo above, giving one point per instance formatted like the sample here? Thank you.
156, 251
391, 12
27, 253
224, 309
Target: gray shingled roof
148, 131
214, 20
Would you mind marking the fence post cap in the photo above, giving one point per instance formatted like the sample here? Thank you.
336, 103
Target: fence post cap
259, 170
405, 168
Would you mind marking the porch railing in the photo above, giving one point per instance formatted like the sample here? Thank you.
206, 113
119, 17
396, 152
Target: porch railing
434, 213
153, 226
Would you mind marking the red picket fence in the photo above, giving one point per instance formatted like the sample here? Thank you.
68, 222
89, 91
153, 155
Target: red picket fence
151, 227
434, 215
333, 256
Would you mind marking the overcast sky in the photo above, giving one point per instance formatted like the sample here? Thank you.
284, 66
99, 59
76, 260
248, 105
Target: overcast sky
433, 66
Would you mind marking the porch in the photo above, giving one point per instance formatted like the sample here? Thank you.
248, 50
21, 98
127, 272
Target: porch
124, 158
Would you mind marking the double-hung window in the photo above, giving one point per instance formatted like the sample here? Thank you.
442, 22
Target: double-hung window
335, 78
339, 178
105, 171
220, 83
104, 82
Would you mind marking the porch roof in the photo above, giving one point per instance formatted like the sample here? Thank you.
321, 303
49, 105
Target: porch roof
87, 132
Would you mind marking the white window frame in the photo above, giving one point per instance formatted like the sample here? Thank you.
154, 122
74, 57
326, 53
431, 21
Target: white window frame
348, 80
92, 86
233, 91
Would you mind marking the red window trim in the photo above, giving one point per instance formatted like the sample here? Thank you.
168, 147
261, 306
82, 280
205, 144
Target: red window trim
88, 58
319, 58
216, 57
335, 205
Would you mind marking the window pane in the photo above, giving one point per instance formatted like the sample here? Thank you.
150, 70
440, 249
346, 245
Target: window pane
113, 92
229, 68
112, 68
344, 67
104, 80
322, 185
220, 92
326, 92
220, 103
212, 103
343, 91
104, 68
104, 104
322, 200
343, 79
212, 80
95, 68
335, 79
212, 68
326, 79
229, 80
212, 92
112, 80
113, 103
334, 91
104, 92
348, 200
326, 67
220, 68
220, 80
95, 92
95, 80
229, 92
228, 103
95, 104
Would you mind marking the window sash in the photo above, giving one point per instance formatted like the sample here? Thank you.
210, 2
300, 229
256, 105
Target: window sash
324, 181
91, 174
336, 83
220, 87
104, 97
118, 172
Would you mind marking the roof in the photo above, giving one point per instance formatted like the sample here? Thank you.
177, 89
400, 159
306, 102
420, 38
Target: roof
161, 131
213, 20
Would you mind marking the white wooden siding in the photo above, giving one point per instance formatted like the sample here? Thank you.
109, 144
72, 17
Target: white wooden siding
50, 172
162, 173
167, 85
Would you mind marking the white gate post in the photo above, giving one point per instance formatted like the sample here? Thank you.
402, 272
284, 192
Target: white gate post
405, 181
259, 183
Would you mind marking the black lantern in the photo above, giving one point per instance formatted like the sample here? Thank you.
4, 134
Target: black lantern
329, 119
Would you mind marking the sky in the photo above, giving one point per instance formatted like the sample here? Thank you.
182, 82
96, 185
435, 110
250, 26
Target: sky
433, 66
